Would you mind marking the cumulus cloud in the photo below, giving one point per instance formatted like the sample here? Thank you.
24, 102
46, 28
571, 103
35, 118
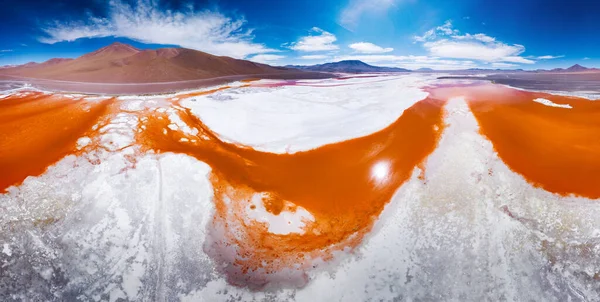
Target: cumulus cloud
411, 62
352, 13
266, 58
318, 40
314, 57
444, 29
447, 28
428, 35
366, 47
479, 37
488, 52
143, 21
446, 42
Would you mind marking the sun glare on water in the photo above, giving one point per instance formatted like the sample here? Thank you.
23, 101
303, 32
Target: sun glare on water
380, 171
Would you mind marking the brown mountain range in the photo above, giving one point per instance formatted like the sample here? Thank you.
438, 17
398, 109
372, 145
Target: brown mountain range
122, 63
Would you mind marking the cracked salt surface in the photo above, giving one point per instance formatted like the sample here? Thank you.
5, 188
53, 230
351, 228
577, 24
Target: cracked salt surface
470, 230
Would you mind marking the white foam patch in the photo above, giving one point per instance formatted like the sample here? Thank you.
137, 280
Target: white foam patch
83, 142
551, 104
73, 96
97, 98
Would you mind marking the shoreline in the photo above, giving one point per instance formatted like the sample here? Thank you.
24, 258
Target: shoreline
151, 88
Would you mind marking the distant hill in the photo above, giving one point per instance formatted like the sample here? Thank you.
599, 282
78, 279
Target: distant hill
577, 67
122, 63
574, 68
349, 66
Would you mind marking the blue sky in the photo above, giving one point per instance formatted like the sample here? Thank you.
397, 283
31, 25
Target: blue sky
438, 34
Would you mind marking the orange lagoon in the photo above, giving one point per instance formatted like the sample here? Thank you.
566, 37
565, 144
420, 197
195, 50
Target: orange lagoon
344, 186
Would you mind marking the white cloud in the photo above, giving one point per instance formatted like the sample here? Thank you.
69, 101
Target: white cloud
442, 30
320, 40
266, 58
586, 58
426, 36
6, 50
484, 38
366, 47
411, 62
549, 57
143, 21
352, 13
447, 29
488, 52
446, 42
314, 57
517, 59
479, 37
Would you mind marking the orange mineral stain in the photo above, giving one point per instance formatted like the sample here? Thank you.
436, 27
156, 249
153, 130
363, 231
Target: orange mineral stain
197, 93
201, 93
38, 129
555, 148
344, 186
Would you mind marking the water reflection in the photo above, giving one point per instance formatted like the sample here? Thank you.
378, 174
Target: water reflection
380, 171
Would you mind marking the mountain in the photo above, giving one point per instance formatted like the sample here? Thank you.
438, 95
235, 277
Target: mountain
424, 69
350, 66
122, 63
575, 68
56, 61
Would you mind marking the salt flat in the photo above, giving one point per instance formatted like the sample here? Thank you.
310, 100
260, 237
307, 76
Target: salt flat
98, 226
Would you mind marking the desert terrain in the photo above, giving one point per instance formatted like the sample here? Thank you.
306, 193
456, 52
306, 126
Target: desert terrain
121, 69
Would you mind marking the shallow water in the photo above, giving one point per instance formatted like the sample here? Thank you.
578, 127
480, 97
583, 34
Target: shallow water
138, 212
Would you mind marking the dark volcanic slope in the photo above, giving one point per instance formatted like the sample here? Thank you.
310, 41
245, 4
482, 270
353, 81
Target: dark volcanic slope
122, 63
350, 66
